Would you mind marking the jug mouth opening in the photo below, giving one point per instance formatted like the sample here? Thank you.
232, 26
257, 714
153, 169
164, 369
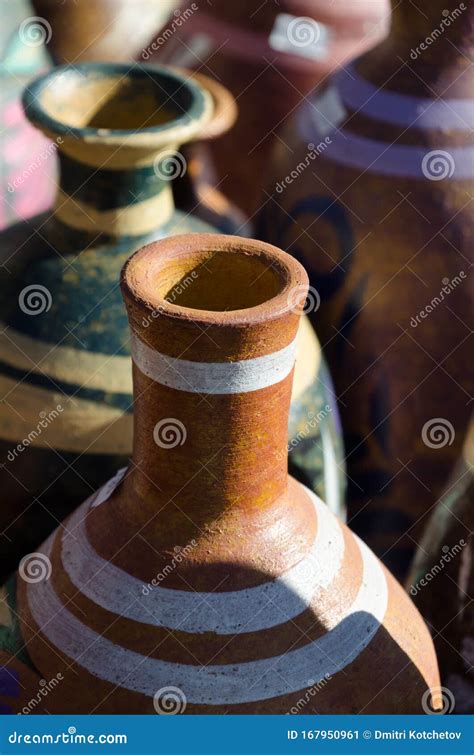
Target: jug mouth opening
107, 101
217, 279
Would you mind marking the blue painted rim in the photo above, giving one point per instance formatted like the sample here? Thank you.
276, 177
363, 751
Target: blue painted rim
191, 96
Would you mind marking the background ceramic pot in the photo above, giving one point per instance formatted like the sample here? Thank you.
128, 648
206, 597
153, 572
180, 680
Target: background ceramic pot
442, 581
235, 582
269, 55
371, 197
105, 30
28, 173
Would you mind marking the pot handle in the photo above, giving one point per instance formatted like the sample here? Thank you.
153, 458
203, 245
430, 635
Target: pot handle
225, 107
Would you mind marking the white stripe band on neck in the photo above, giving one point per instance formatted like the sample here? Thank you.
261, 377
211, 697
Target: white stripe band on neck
214, 377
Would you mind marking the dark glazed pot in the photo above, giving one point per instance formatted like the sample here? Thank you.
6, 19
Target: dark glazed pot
371, 196
204, 573
270, 56
441, 583
65, 364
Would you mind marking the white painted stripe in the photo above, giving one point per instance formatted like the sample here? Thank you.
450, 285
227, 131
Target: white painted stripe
104, 493
214, 377
227, 684
396, 159
234, 612
401, 109
87, 369
326, 116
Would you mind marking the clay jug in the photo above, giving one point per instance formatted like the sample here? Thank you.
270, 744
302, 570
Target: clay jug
269, 55
203, 573
66, 419
27, 165
442, 581
371, 196
103, 30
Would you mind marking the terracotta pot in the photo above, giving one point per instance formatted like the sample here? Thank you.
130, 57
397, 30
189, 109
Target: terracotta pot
66, 420
236, 584
442, 581
105, 30
26, 166
269, 58
371, 197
